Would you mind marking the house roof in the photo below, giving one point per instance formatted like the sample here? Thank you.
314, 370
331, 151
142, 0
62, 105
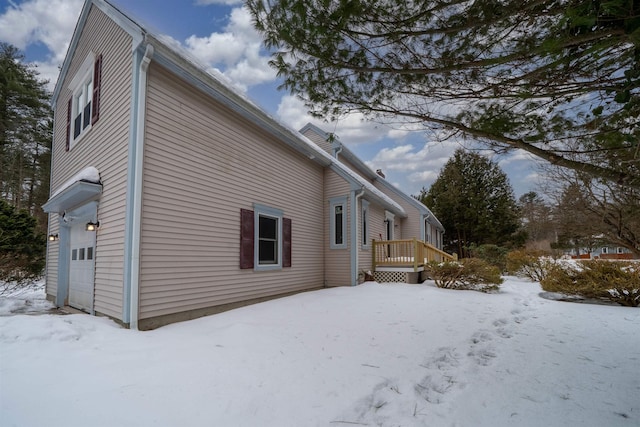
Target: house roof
176, 59
369, 173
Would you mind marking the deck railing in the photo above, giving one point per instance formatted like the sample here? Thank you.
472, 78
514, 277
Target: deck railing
406, 253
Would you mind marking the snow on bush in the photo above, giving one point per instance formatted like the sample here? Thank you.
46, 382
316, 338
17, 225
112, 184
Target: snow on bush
532, 264
617, 281
468, 273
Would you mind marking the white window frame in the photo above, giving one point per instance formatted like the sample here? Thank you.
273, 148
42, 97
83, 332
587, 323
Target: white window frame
269, 212
333, 203
82, 87
427, 231
619, 250
605, 250
389, 219
365, 239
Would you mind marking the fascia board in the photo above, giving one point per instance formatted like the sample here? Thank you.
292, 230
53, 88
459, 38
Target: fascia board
122, 20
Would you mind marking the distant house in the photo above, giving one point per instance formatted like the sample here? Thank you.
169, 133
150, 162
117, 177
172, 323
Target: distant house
605, 251
173, 196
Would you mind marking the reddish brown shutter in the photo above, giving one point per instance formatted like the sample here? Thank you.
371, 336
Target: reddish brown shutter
68, 125
286, 242
246, 238
97, 81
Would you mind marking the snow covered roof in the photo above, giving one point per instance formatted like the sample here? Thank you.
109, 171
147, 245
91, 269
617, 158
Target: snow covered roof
88, 174
83, 186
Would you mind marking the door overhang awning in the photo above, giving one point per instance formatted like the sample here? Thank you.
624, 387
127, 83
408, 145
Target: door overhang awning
76, 194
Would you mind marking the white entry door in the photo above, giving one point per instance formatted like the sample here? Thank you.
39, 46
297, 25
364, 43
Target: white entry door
81, 267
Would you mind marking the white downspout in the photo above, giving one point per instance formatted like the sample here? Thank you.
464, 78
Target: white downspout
337, 150
137, 196
354, 237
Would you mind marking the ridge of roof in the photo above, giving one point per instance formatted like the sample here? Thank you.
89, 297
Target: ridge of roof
366, 170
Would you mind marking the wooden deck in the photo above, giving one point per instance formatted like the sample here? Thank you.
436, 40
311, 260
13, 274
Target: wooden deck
405, 254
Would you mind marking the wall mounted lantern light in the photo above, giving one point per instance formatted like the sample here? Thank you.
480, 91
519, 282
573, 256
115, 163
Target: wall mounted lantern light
53, 237
93, 226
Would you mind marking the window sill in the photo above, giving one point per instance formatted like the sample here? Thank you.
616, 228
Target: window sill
268, 267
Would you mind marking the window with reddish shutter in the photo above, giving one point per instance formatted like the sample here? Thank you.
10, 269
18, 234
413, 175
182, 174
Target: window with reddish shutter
84, 106
265, 239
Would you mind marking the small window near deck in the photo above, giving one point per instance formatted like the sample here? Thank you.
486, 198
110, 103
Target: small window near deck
365, 225
338, 223
339, 236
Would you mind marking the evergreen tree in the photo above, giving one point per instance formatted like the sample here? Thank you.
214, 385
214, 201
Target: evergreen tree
22, 247
474, 201
26, 131
557, 78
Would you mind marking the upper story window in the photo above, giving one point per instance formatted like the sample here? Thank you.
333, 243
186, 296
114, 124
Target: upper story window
84, 105
338, 223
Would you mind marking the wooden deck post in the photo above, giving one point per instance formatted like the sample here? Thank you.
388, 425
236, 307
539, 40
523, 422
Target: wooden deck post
415, 255
373, 254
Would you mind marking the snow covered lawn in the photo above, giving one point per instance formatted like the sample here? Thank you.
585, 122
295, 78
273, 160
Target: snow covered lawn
390, 355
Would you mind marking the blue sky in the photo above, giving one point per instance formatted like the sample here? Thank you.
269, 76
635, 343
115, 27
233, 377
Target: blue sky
219, 33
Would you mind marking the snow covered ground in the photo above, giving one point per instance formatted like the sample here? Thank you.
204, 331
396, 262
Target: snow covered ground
390, 355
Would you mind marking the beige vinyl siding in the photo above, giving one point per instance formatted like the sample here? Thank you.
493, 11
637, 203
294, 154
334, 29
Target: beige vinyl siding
202, 164
408, 227
320, 141
337, 261
51, 274
105, 146
350, 165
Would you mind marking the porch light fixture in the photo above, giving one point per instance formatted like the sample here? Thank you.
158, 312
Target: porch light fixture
53, 237
93, 226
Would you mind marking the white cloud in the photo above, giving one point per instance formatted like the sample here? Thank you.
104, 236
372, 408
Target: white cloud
416, 167
405, 158
49, 71
50, 22
352, 129
223, 48
47, 22
236, 50
293, 113
424, 177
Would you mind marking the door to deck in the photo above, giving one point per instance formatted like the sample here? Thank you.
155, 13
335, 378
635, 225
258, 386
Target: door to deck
81, 267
